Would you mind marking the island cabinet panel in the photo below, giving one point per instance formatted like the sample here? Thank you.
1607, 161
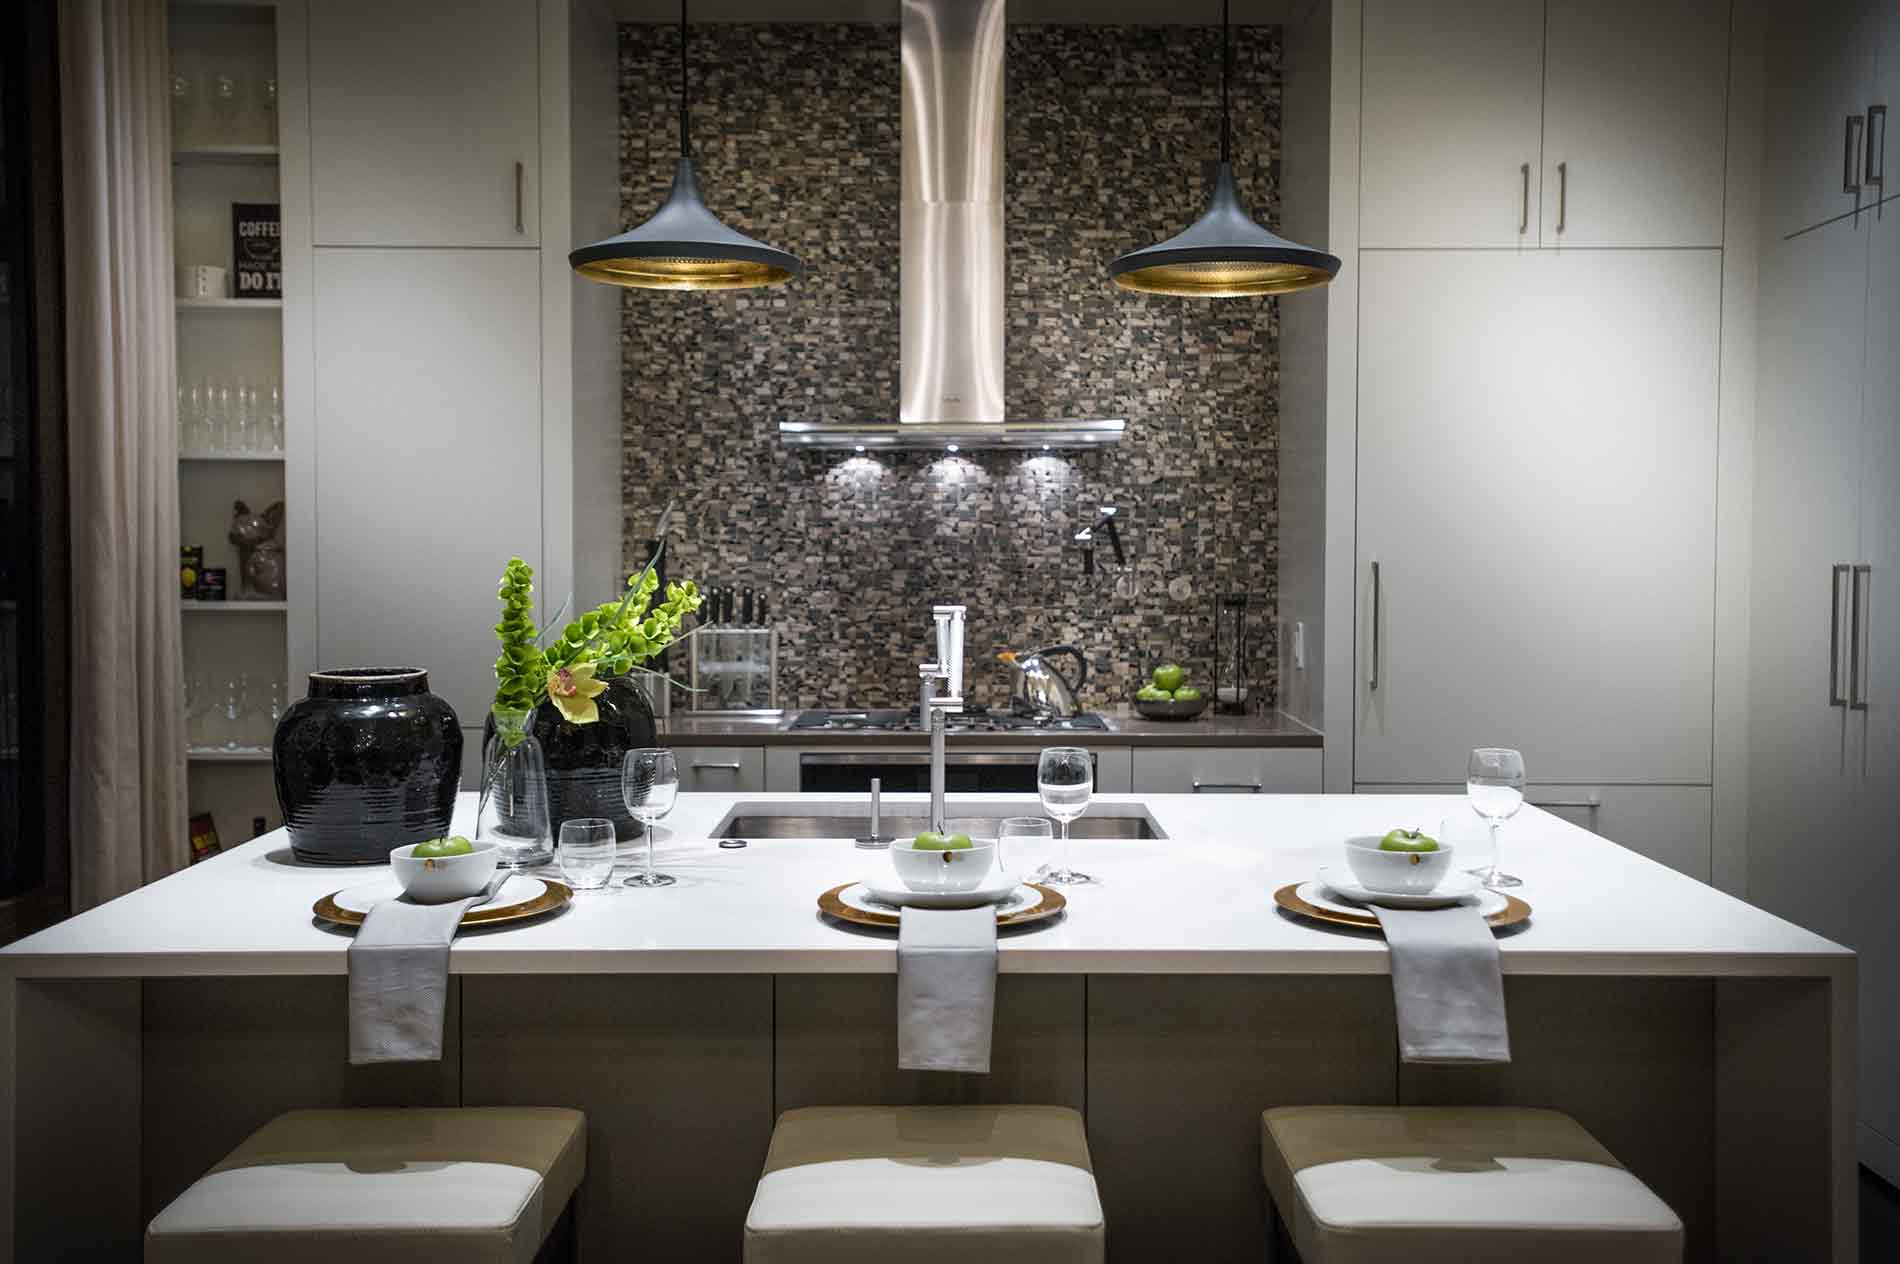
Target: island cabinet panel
1536, 513
1630, 1060
1220, 770
1180, 1069
675, 1075
425, 123
722, 769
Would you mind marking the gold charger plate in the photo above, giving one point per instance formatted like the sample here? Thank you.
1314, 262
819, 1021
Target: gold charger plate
1287, 897
1053, 902
557, 895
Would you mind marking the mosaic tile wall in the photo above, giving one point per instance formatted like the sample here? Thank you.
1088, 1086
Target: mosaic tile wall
796, 135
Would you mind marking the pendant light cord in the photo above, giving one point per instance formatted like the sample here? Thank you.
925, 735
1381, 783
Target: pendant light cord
685, 150
1226, 62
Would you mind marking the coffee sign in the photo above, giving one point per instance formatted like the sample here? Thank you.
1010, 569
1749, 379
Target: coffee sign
257, 251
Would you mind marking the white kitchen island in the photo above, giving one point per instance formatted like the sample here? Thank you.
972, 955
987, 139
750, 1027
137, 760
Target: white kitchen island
1695, 1034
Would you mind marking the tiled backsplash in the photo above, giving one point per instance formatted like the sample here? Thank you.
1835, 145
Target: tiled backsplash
796, 135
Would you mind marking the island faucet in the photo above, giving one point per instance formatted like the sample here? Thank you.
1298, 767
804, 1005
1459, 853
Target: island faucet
932, 707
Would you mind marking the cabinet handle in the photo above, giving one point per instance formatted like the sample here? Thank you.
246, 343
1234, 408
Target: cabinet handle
1372, 680
1524, 206
1592, 803
520, 223
1834, 698
1855, 702
1563, 193
1218, 787
1850, 151
718, 767
1873, 168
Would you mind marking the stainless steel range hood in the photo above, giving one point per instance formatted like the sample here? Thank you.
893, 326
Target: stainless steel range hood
950, 372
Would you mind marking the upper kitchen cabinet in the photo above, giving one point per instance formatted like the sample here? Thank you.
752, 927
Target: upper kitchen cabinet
1635, 114
1515, 123
1536, 513
1820, 85
424, 123
1451, 123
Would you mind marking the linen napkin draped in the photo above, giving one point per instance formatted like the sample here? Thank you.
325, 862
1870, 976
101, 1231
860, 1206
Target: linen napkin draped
946, 988
1447, 985
399, 980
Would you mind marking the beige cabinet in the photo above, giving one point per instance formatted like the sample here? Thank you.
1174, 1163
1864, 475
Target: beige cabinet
1226, 770
425, 122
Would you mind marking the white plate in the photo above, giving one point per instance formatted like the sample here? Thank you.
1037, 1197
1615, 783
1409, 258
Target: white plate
519, 889
888, 889
1016, 900
1457, 888
1321, 895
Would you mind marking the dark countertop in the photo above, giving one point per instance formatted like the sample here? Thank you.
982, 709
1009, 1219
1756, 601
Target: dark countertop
770, 729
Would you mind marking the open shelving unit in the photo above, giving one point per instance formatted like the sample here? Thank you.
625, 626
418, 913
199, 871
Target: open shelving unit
226, 100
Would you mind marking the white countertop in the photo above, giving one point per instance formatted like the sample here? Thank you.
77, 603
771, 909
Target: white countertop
1198, 902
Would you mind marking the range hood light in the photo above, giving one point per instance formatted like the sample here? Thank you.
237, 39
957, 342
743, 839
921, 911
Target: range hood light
684, 246
1224, 253
952, 436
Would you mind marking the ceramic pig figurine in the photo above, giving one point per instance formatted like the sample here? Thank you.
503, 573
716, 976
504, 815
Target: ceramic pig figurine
260, 553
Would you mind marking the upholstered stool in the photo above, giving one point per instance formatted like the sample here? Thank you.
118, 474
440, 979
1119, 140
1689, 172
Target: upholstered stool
366, 1186
926, 1185
1384, 1184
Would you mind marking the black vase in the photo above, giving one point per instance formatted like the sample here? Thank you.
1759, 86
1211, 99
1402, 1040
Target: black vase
369, 761
583, 760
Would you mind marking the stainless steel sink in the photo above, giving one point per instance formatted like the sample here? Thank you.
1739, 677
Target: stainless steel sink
903, 820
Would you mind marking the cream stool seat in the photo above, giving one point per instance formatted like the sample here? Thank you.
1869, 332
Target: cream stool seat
366, 1186
1382, 1184
926, 1185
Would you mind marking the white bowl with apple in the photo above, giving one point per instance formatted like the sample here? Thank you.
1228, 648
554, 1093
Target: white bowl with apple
1399, 862
952, 861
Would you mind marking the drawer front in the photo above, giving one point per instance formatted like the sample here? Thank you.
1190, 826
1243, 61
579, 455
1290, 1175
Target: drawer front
1226, 770
1672, 825
721, 769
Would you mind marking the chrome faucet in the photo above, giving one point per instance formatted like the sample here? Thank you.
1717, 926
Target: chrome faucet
931, 707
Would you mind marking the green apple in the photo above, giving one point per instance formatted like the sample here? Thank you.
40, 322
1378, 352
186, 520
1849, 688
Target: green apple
959, 842
1170, 676
1148, 693
1187, 693
930, 840
1407, 840
436, 848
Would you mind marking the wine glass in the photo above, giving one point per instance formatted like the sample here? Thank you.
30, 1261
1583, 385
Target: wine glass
649, 783
1494, 780
1065, 778
1025, 845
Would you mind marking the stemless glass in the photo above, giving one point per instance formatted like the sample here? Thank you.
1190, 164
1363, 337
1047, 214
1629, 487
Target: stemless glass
587, 852
1494, 781
1025, 845
1065, 778
649, 782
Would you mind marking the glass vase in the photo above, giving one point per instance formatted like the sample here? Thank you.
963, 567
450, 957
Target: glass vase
513, 812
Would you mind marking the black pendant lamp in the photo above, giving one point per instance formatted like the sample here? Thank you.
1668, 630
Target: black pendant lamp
684, 247
1224, 253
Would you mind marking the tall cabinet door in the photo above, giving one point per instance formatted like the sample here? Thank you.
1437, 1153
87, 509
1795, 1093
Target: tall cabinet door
1537, 489
1821, 73
428, 456
424, 122
1451, 119
1635, 115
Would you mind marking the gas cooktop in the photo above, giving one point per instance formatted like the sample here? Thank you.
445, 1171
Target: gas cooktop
974, 718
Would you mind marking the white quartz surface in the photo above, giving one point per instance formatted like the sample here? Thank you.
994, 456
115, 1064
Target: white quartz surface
1199, 901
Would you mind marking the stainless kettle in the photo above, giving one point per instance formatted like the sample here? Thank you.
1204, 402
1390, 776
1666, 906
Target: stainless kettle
1040, 687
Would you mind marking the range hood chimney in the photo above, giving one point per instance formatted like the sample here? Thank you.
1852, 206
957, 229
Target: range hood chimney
950, 371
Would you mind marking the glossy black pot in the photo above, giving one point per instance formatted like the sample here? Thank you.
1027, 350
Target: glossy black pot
583, 760
370, 760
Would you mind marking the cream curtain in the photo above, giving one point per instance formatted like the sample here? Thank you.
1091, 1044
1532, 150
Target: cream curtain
128, 763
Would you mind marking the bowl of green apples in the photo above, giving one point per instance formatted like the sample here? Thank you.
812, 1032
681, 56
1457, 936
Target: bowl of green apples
1398, 862
957, 858
1168, 696
438, 870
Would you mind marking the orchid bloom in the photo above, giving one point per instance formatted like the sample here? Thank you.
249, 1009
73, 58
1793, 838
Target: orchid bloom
573, 690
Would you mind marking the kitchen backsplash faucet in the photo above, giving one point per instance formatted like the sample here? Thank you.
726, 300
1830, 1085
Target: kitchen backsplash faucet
932, 707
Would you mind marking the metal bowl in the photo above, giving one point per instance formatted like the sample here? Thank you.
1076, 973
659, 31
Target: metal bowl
1171, 710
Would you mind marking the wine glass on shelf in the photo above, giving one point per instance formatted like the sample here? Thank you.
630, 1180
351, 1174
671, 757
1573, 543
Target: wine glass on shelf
1494, 782
1065, 778
649, 784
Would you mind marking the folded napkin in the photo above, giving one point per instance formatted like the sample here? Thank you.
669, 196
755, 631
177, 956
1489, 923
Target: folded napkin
399, 980
1447, 985
946, 988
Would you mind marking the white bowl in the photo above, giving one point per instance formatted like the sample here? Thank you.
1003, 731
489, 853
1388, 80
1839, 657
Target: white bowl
944, 871
1396, 872
439, 879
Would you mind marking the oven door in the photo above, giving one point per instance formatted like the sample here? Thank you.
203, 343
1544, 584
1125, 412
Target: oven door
988, 772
